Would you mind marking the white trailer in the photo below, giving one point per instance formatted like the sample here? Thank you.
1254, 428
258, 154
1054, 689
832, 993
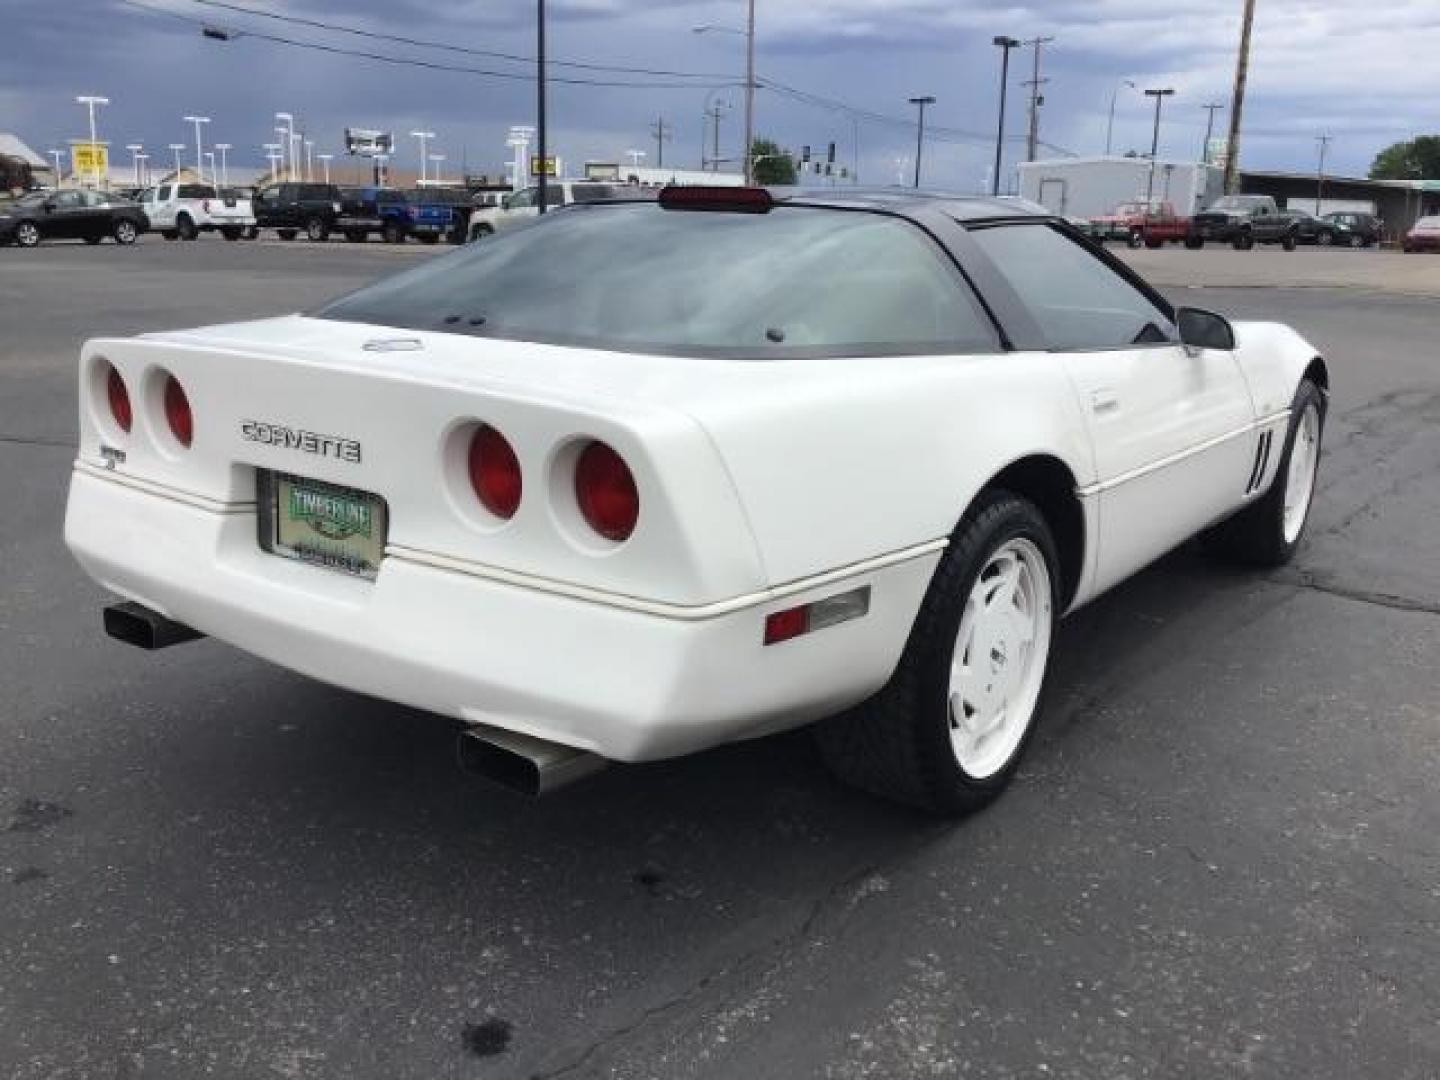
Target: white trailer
1089, 187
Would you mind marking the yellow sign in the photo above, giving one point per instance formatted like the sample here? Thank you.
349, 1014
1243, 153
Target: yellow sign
536, 168
90, 159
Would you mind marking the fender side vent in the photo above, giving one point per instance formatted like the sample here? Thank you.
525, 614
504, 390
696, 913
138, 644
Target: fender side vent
1262, 460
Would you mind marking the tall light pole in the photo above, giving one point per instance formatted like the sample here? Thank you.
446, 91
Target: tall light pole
135, 149
309, 161
1036, 98
1237, 101
224, 148
1210, 110
325, 161
749, 35
143, 168
1110, 124
1324, 141
542, 124
59, 169
436, 159
284, 147
214, 173
272, 155
90, 101
177, 147
199, 148
424, 137
287, 133
1159, 96
1005, 44
920, 132
712, 114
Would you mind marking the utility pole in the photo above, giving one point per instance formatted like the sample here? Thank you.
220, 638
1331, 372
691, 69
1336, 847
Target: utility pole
541, 131
1324, 141
920, 132
1036, 98
1237, 101
750, 95
662, 131
1209, 130
1159, 96
1005, 44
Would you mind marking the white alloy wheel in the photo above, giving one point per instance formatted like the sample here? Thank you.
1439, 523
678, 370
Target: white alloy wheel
27, 234
998, 666
124, 232
1300, 479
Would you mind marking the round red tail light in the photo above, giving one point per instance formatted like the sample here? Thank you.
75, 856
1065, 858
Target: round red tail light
119, 400
605, 490
495, 472
177, 412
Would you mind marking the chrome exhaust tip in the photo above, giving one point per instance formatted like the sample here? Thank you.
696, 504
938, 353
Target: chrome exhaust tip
523, 764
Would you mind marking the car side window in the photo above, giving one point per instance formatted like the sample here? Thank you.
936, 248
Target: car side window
521, 199
1076, 299
67, 200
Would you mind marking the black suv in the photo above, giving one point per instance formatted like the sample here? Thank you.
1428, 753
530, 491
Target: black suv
1355, 228
289, 208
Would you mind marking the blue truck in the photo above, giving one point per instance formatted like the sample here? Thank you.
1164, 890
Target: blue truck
428, 214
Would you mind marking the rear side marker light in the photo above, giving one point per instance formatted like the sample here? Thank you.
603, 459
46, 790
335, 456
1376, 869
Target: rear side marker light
177, 412
495, 472
605, 492
119, 400
807, 618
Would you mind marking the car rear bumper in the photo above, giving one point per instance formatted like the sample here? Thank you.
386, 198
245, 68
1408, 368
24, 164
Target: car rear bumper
624, 683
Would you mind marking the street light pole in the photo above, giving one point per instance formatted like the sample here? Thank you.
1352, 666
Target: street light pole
920, 132
542, 130
1159, 96
1110, 124
59, 169
1324, 141
325, 161
437, 159
177, 147
1237, 101
1005, 44
90, 101
224, 148
309, 161
1209, 130
287, 135
144, 169
199, 149
135, 149
424, 137
750, 94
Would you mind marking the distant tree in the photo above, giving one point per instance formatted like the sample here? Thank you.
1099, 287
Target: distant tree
1417, 159
772, 165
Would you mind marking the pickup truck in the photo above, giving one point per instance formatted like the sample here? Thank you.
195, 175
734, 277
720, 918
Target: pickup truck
424, 213
1243, 221
1164, 226
1126, 222
184, 211
290, 207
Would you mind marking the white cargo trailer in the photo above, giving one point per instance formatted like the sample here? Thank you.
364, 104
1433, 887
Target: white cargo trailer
1089, 187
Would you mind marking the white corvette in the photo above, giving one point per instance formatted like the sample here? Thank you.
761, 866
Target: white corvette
646, 477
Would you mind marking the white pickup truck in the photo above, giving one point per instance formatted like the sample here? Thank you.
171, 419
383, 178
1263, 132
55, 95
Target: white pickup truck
184, 211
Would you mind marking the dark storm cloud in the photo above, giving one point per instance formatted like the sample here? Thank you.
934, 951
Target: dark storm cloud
1318, 67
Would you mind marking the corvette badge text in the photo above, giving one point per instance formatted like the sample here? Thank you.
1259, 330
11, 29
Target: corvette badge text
307, 441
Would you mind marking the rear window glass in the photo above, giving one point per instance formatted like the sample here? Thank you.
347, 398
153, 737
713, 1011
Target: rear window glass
634, 277
196, 191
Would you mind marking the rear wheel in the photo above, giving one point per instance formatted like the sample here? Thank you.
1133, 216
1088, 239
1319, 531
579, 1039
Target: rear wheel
1244, 241
250, 232
1135, 239
1289, 242
27, 234
1325, 238
1268, 531
947, 733
1357, 242
125, 232
1194, 243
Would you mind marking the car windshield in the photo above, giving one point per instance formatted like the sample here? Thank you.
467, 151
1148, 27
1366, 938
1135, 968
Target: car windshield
1238, 202
635, 277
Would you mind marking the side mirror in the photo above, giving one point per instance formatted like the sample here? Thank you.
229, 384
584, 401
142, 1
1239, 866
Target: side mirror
1201, 329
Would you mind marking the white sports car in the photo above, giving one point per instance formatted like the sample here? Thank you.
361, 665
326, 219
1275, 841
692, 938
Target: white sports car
646, 477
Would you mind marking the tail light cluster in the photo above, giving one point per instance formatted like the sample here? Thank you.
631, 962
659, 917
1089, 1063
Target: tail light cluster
178, 416
603, 485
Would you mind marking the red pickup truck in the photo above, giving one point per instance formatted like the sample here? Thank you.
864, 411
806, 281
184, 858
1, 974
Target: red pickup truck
1164, 226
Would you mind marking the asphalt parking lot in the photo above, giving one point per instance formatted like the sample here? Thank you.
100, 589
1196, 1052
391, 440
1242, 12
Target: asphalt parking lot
1222, 857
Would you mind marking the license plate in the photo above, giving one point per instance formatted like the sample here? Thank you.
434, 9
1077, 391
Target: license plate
321, 523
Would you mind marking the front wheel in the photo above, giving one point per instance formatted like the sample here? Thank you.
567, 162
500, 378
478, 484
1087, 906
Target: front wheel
1324, 238
1288, 243
125, 232
1194, 243
1244, 241
947, 732
1135, 239
1357, 242
27, 234
1268, 531
186, 230
317, 229
250, 232
230, 233
392, 233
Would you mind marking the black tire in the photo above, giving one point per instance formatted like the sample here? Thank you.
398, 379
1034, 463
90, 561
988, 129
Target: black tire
250, 232
230, 233
125, 232
27, 234
898, 744
1244, 241
1154, 243
317, 230
1289, 242
1256, 535
169, 234
1135, 239
185, 229
392, 232
479, 232
1194, 243
287, 234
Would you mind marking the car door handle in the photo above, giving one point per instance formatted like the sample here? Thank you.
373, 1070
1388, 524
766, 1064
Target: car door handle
1104, 401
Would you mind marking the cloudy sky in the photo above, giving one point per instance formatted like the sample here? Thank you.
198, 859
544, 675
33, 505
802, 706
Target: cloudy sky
1364, 73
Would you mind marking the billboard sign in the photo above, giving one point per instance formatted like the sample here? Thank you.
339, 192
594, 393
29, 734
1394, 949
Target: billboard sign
548, 167
368, 143
90, 159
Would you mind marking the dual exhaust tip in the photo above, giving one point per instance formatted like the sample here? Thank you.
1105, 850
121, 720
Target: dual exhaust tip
520, 763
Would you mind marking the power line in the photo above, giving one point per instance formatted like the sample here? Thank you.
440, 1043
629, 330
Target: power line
411, 62
398, 39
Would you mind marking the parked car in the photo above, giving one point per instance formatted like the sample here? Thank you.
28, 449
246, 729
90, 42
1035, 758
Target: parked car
184, 211
1356, 229
523, 205
1423, 236
291, 208
1243, 221
70, 214
1126, 222
585, 487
